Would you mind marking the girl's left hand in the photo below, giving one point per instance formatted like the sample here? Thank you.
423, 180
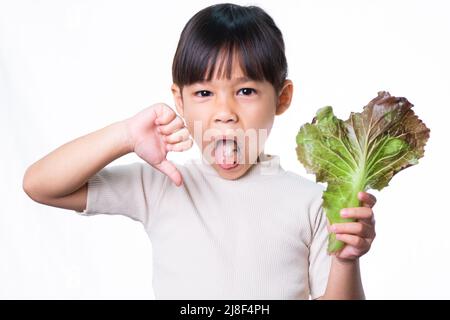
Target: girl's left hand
358, 236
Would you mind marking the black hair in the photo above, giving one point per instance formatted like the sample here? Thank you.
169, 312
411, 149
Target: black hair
229, 28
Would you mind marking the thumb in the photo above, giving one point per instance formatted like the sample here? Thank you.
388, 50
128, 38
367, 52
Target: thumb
169, 169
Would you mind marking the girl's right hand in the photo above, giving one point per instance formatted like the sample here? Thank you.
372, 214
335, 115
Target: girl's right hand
155, 131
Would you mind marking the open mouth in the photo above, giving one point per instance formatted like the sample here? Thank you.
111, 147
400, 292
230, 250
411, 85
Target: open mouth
227, 153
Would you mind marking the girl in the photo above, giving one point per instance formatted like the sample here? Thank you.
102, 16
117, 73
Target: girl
234, 225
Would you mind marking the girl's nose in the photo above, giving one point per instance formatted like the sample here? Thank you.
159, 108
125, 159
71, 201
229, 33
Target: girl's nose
225, 117
225, 111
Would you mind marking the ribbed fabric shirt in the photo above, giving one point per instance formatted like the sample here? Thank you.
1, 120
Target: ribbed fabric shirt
261, 236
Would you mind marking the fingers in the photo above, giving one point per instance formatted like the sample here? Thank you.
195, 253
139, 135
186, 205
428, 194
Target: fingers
358, 236
175, 135
164, 114
354, 228
178, 136
357, 213
349, 253
368, 200
181, 146
354, 241
174, 125
172, 129
169, 169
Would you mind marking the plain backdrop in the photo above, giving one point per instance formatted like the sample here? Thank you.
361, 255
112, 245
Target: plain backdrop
68, 68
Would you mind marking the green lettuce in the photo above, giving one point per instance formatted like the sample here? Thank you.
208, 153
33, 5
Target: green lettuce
361, 153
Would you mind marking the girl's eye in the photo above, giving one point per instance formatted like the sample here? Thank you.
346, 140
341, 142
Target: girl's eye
206, 93
247, 91
203, 93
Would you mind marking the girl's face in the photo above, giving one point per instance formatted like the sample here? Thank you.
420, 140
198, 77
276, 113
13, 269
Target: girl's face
238, 109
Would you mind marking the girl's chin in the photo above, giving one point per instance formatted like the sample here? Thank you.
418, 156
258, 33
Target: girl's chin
230, 171
228, 167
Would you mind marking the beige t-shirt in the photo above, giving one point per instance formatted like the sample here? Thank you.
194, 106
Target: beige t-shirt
262, 236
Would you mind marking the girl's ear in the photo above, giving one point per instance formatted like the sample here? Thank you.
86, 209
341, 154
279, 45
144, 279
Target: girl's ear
285, 97
178, 99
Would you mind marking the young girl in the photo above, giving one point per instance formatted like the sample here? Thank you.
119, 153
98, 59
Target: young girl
235, 224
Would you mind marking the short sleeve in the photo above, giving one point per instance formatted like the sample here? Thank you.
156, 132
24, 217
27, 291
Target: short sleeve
319, 260
132, 190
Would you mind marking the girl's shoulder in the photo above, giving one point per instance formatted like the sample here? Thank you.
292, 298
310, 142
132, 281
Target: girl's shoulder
303, 183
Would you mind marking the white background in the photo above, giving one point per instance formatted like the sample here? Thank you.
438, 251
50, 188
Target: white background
71, 67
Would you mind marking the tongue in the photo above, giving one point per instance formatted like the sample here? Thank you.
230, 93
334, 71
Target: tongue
225, 155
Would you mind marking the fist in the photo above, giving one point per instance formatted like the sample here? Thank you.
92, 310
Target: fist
357, 235
155, 131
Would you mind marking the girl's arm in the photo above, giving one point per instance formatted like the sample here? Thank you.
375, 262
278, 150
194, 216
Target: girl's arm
344, 281
60, 178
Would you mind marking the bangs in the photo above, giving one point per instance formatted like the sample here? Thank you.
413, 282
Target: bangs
220, 34
219, 62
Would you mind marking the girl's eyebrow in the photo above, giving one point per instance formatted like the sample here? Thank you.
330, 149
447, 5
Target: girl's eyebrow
236, 80
243, 79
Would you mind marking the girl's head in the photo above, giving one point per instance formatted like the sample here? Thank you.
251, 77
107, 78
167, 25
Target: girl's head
229, 78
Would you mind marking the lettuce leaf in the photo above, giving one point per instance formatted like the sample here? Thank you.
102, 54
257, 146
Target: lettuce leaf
361, 153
